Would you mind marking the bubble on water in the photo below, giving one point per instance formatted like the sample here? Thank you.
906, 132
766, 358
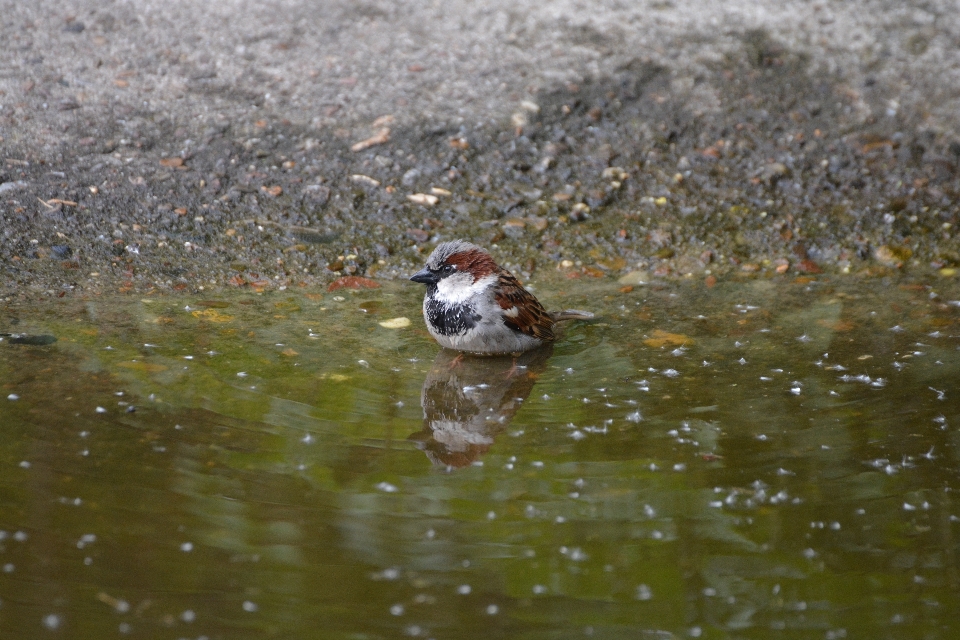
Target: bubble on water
307, 439
670, 373
386, 487
249, 606
804, 338
897, 329
643, 592
85, 539
363, 363
492, 610
8, 568
188, 616
413, 630
809, 554
396, 610
464, 589
186, 547
13, 396
242, 374
634, 417
24, 464
20, 536
101, 410
52, 621
577, 434
695, 632
539, 589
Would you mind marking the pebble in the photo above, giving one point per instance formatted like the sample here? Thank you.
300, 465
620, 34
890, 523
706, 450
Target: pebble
425, 199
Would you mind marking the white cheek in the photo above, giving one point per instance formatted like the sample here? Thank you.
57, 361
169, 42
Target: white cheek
459, 288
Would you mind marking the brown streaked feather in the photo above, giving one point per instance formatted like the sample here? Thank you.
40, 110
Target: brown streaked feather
522, 311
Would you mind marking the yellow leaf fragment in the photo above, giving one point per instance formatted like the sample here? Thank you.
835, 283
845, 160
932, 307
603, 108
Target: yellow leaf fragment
664, 339
212, 315
395, 323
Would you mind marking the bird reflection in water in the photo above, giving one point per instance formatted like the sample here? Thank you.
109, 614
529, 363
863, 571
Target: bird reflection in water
468, 400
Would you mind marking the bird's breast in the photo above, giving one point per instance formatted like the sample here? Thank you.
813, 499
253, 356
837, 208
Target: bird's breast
450, 319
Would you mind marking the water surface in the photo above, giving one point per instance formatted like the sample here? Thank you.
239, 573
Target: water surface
769, 456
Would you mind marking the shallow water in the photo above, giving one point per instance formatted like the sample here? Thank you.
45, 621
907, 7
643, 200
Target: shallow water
763, 456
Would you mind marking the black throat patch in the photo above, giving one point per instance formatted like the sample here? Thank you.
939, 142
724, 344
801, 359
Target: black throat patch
450, 320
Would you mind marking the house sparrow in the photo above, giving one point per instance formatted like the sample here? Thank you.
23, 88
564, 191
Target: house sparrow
472, 304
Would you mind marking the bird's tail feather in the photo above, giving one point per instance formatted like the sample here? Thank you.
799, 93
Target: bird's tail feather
571, 314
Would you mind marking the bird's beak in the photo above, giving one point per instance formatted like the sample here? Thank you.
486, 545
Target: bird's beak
425, 276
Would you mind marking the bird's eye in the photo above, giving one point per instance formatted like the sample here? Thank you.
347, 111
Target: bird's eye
447, 268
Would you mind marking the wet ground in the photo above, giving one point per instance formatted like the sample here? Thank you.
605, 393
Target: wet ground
765, 456
197, 146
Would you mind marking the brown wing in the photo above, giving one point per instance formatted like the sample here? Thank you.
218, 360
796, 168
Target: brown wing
521, 311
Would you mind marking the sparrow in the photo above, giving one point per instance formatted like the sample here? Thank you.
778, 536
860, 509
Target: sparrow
474, 305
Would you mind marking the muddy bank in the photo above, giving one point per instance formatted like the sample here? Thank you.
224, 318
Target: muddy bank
754, 157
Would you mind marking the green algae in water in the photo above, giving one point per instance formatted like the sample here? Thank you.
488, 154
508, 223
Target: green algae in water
761, 457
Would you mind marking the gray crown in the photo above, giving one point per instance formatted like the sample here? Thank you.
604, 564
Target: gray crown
446, 249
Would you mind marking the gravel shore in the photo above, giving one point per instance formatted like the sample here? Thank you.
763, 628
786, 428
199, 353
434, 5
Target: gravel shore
179, 145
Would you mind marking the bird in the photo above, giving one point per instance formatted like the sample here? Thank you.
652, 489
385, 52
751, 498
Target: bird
474, 305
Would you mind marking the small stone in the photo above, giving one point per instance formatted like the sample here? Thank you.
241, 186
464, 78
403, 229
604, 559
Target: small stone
418, 235
579, 211
892, 256
538, 223
614, 173
423, 199
10, 186
366, 181
634, 278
